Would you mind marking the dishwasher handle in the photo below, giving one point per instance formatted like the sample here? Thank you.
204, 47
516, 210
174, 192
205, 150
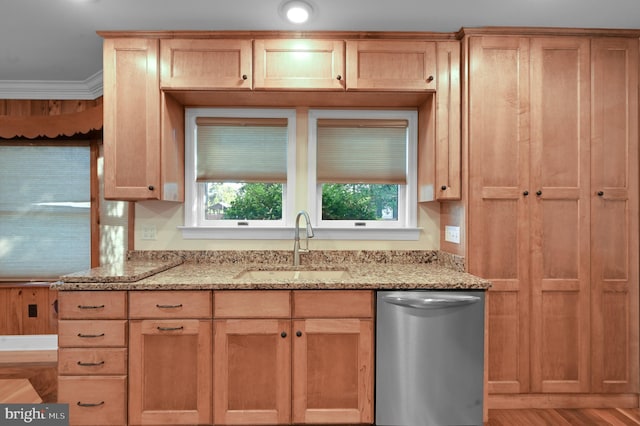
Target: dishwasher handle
432, 302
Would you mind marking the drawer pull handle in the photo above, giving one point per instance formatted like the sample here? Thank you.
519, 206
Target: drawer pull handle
170, 328
90, 364
169, 306
90, 306
90, 336
88, 404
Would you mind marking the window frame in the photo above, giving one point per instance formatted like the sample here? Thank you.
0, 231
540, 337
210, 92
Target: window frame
195, 224
405, 228
92, 145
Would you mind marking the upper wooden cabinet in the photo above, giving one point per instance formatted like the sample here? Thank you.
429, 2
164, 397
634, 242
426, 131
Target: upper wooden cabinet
199, 64
131, 119
143, 152
391, 65
298, 64
439, 131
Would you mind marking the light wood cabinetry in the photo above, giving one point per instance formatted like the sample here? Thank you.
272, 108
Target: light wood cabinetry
170, 363
307, 64
142, 161
439, 131
314, 369
333, 357
92, 357
614, 215
391, 65
252, 358
538, 112
131, 119
204, 64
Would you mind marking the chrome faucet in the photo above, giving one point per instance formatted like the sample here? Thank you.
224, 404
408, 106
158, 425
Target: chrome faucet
296, 238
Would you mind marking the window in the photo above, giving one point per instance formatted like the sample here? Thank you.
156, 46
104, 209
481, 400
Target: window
45, 210
240, 172
362, 172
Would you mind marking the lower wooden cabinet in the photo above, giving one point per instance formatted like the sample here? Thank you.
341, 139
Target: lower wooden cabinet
252, 372
248, 358
94, 400
313, 366
333, 371
170, 372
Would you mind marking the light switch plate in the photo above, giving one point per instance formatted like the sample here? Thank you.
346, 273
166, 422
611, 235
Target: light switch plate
452, 234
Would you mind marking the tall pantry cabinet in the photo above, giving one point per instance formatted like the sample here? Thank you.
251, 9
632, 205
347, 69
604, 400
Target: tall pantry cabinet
551, 140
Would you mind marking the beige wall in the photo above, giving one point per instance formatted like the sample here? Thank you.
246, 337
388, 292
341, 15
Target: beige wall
166, 217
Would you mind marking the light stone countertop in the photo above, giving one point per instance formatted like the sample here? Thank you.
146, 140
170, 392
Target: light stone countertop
374, 270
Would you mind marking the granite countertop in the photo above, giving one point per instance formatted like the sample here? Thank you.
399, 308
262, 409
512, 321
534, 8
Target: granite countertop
375, 270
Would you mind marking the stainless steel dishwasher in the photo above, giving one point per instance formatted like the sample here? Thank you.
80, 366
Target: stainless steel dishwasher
429, 358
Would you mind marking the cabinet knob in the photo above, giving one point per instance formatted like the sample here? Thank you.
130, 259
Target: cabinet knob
244, 76
429, 79
538, 193
443, 187
525, 193
299, 333
283, 334
600, 193
339, 77
151, 187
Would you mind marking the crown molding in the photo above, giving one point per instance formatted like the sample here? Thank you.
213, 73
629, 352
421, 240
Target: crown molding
89, 89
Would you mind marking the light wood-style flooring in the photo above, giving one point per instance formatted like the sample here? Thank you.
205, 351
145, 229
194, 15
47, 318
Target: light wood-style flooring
565, 417
44, 380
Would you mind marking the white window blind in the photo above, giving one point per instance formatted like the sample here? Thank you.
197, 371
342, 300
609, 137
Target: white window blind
45, 227
362, 151
241, 149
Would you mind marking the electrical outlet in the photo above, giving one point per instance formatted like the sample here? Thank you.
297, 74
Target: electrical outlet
452, 234
148, 232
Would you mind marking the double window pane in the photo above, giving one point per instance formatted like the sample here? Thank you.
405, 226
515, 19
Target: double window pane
45, 228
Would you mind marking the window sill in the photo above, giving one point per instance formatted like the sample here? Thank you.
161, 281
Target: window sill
220, 233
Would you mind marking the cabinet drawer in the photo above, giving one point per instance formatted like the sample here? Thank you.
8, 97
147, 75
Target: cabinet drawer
333, 304
252, 304
170, 304
94, 400
92, 304
82, 362
92, 333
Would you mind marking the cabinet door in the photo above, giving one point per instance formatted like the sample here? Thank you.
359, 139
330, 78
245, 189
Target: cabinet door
560, 328
298, 64
252, 376
614, 215
131, 119
333, 371
205, 64
391, 65
498, 224
170, 372
448, 143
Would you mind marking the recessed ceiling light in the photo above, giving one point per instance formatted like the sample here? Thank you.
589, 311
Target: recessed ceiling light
296, 11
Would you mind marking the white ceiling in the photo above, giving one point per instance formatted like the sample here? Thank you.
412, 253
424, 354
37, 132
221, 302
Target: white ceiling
55, 41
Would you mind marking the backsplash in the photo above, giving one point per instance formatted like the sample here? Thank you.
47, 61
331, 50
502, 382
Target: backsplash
448, 260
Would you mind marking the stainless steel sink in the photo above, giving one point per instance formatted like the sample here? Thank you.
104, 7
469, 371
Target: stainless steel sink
291, 274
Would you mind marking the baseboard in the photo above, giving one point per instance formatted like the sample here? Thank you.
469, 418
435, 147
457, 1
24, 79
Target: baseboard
515, 401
